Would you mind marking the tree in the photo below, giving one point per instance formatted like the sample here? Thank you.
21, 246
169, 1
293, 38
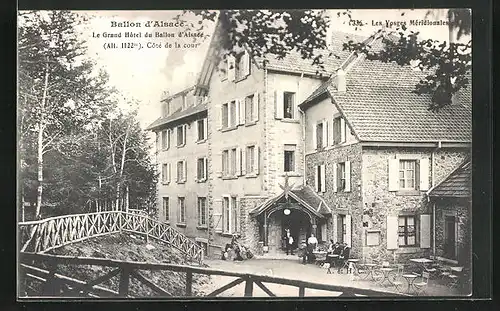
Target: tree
59, 91
279, 32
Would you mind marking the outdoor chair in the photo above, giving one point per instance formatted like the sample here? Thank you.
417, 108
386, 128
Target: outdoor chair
344, 261
444, 272
396, 278
422, 285
455, 277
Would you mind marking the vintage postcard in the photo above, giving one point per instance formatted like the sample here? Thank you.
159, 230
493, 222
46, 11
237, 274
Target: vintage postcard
245, 153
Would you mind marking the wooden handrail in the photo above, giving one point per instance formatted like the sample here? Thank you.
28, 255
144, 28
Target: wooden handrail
248, 278
50, 233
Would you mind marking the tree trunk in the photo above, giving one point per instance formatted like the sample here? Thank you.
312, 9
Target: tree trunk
40, 145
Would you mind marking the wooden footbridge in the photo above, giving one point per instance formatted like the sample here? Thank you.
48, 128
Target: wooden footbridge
39, 237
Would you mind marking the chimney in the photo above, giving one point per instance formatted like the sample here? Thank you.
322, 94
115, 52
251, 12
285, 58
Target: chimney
341, 82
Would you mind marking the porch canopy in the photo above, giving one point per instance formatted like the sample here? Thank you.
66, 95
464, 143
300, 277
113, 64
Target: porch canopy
456, 185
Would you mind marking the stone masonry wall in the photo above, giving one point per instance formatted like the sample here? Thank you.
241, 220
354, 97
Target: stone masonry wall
341, 202
249, 225
378, 202
461, 210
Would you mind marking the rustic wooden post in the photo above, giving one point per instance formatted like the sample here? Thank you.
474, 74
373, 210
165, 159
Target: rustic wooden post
189, 283
124, 281
147, 229
249, 286
302, 291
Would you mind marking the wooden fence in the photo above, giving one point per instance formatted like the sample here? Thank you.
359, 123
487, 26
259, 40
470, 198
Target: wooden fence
54, 284
43, 235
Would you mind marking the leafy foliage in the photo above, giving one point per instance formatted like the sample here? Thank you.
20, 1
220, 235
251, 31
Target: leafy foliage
279, 32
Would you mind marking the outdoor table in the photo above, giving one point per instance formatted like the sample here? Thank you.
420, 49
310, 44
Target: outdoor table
386, 272
410, 278
422, 262
330, 258
369, 270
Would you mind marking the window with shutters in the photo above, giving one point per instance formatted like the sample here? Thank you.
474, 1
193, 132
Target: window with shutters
226, 214
225, 115
289, 158
232, 112
407, 234
181, 136
202, 211
165, 174
341, 228
166, 209
201, 169
232, 170
319, 178
249, 107
407, 174
338, 131
234, 215
182, 210
225, 162
319, 135
165, 139
181, 171
288, 105
250, 160
202, 135
341, 177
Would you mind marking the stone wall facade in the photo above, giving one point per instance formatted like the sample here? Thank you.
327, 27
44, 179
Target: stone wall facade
460, 209
379, 202
250, 226
341, 203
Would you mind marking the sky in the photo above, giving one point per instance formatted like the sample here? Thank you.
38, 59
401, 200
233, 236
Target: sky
145, 74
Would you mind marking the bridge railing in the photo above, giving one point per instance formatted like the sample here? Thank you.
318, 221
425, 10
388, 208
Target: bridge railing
44, 235
57, 285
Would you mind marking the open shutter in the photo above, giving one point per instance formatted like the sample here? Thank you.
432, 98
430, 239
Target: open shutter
316, 181
424, 174
278, 104
243, 162
246, 63
218, 165
335, 177
197, 131
334, 228
185, 171
205, 128
347, 176
217, 215
236, 113
169, 172
257, 159
184, 134
323, 178
392, 232
238, 161
242, 111
324, 143
342, 130
348, 230
393, 174
425, 231
255, 105
205, 171
331, 130
219, 118
315, 136
231, 68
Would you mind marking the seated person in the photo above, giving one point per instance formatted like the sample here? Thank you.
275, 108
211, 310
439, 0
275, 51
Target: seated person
344, 256
337, 249
331, 245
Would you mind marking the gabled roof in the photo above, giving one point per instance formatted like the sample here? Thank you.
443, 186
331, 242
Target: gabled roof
304, 195
457, 184
177, 116
380, 106
291, 63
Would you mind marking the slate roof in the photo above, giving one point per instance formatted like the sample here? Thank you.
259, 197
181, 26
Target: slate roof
458, 184
176, 116
379, 105
293, 62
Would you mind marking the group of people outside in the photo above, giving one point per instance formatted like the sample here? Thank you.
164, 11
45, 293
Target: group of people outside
340, 252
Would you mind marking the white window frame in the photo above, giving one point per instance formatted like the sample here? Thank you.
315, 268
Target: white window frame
165, 173
205, 210
405, 233
184, 128
251, 169
181, 179
165, 139
290, 148
204, 161
228, 211
181, 219
294, 99
405, 171
204, 128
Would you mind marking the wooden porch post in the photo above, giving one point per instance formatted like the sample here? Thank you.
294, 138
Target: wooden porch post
265, 229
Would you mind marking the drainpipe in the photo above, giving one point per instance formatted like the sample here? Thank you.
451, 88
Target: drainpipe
303, 117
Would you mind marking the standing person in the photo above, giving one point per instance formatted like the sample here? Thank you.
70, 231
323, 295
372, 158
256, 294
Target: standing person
312, 242
289, 245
